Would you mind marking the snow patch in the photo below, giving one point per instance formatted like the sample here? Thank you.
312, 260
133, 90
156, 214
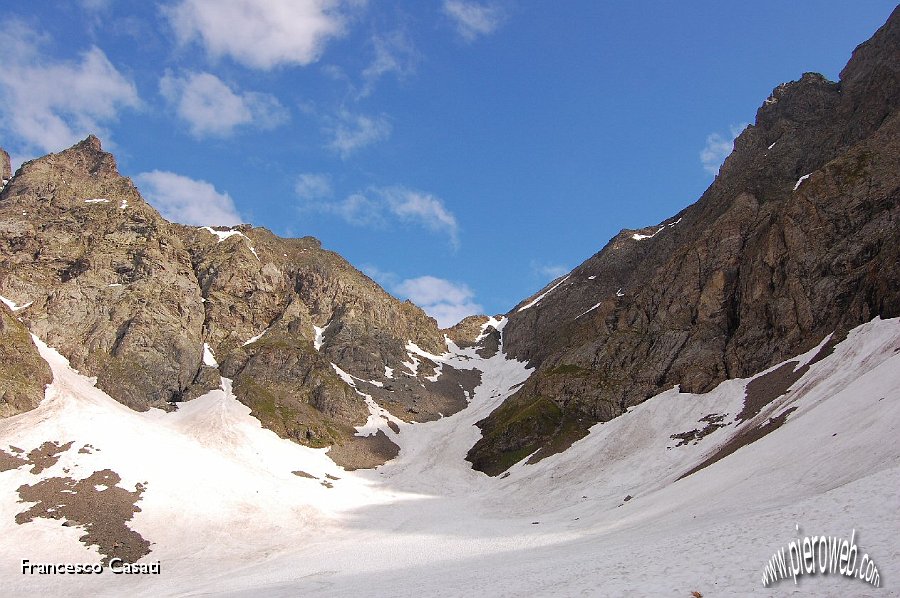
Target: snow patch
800, 181
225, 234
97, 200
319, 339
589, 310
252, 340
537, 299
388, 372
208, 357
12, 304
640, 237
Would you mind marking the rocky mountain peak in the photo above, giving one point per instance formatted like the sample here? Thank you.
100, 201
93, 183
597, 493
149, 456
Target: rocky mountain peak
796, 238
158, 311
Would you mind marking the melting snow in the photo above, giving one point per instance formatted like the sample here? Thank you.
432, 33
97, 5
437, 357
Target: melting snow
388, 372
800, 181
589, 310
12, 304
319, 336
224, 234
225, 515
208, 358
255, 338
640, 237
344, 375
537, 299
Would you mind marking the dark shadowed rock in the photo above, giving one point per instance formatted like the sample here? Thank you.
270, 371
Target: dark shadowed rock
797, 237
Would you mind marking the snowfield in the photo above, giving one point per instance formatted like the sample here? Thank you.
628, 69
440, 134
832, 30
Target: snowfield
612, 516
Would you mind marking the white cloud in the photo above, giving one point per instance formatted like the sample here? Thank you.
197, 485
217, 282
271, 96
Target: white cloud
421, 208
718, 147
260, 35
357, 209
186, 200
48, 105
212, 109
379, 205
350, 132
473, 19
312, 186
445, 301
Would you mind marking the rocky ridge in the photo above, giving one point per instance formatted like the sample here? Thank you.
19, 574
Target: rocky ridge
157, 311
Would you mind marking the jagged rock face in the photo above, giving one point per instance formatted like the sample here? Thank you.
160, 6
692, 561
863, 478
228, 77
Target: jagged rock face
132, 299
110, 283
467, 330
759, 269
23, 374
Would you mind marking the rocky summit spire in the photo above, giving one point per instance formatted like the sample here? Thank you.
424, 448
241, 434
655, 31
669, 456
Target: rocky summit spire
5, 169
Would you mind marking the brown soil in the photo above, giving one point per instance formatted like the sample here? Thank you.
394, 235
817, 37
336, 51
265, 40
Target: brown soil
102, 513
11, 461
46, 455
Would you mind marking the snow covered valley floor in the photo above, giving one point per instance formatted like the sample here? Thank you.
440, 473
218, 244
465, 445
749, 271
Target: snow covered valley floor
228, 508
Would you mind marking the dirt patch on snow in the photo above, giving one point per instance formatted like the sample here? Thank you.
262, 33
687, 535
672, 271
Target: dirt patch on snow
95, 504
41, 458
761, 392
713, 422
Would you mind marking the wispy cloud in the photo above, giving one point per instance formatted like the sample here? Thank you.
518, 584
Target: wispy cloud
261, 35
350, 132
186, 200
549, 271
380, 205
313, 186
47, 105
212, 109
446, 301
421, 208
394, 54
474, 19
718, 147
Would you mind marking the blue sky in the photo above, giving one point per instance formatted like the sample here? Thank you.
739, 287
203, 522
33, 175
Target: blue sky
463, 153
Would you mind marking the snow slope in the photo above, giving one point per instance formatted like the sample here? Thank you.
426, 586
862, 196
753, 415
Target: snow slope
226, 515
